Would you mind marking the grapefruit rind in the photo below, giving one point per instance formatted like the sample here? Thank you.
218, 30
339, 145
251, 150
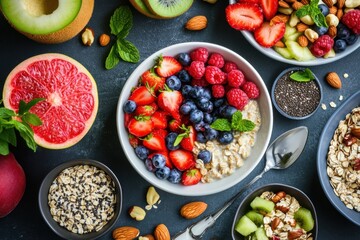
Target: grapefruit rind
53, 104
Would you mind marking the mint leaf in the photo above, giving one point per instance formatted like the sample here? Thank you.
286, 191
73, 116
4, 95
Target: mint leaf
236, 117
112, 59
221, 124
25, 107
319, 19
4, 148
127, 51
314, 12
26, 133
179, 138
245, 125
302, 76
303, 11
6, 113
8, 135
121, 21
31, 119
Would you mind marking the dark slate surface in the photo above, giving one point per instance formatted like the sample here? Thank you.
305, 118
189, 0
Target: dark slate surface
101, 143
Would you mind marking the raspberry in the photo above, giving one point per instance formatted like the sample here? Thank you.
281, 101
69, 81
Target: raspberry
196, 69
216, 60
235, 78
214, 75
229, 66
200, 54
322, 45
351, 19
251, 90
217, 91
237, 98
199, 82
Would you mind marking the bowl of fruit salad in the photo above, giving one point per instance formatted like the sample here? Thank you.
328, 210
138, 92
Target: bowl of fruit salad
194, 118
275, 211
303, 33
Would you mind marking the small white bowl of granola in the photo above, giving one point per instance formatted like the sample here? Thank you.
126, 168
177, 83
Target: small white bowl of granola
174, 143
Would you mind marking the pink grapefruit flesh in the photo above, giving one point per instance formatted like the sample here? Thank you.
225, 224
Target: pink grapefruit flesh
70, 92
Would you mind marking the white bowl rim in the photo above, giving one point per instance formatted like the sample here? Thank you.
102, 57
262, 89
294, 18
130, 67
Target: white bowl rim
179, 189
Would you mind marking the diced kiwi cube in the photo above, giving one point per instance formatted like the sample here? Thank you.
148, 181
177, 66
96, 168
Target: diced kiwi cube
245, 226
304, 218
256, 217
260, 234
260, 204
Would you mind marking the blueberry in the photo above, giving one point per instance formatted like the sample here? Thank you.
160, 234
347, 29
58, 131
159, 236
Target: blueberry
200, 137
339, 45
196, 116
185, 108
207, 93
186, 89
208, 118
200, 127
158, 160
174, 176
142, 152
221, 110
342, 31
149, 165
197, 92
210, 133
228, 111
323, 9
162, 173
184, 76
219, 102
225, 137
129, 106
351, 39
203, 103
173, 82
204, 155
170, 140
184, 59
191, 103
320, 30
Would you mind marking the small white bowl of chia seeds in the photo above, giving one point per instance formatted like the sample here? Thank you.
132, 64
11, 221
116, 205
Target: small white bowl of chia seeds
80, 199
296, 93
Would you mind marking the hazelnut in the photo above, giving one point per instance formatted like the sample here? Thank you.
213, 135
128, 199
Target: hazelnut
104, 40
87, 36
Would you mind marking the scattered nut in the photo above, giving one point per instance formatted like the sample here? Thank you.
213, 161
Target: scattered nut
301, 27
152, 197
286, 11
196, 23
297, 5
294, 20
87, 36
193, 209
279, 44
339, 13
278, 196
283, 4
137, 213
332, 20
329, 3
311, 35
307, 20
333, 10
147, 237
295, 234
332, 31
125, 233
279, 18
340, 3
355, 131
303, 41
161, 232
104, 40
283, 209
274, 223
349, 140
333, 80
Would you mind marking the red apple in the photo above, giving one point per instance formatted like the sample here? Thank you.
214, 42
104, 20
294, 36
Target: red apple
12, 184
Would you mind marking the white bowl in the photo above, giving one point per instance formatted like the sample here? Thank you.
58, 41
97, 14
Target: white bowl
263, 136
249, 36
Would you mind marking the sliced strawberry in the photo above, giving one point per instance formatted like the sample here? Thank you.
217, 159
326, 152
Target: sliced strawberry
188, 138
127, 118
244, 16
249, 1
269, 8
151, 79
154, 142
134, 141
140, 126
146, 110
167, 66
142, 95
170, 101
160, 132
174, 125
182, 159
167, 159
191, 177
159, 119
267, 35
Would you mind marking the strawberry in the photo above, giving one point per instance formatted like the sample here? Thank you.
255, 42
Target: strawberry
182, 159
269, 8
167, 66
191, 177
249, 1
142, 96
154, 142
160, 132
267, 35
159, 119
140, 126
174, 125
127, 118
188, 137
134, 141
170, 101
151, 79
146, 110
167, 159
244, 16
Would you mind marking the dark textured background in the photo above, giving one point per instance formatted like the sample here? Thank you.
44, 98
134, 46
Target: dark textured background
101, 143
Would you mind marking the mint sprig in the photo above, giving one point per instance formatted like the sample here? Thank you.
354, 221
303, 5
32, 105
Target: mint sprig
121, 23
302, 76
237, 123
314, 12
10, 122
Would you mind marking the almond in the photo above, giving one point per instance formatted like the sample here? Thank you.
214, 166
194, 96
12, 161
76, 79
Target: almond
340, 3
301, 27
339, 13
297, 5
283, 209
355, 131
193, 209
196, 23
303, 41
278, 196
332, 31
279, 44
305, 2
328, 3
295, 234
161, 232
279, 18
274, 223
333, 10
284, 4
125, 233
333, 80
104, 40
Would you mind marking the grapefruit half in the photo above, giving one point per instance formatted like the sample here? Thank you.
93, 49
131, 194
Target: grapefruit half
70, 92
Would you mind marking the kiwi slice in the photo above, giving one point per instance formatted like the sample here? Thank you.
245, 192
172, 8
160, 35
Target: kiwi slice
168, 8
304, 218
262, 205
245, 226
260, 234
256, 217
142, 8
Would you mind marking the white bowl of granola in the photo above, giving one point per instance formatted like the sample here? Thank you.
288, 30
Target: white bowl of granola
230, 163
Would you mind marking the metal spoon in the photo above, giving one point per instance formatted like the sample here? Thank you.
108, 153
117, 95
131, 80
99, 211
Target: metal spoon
281, 153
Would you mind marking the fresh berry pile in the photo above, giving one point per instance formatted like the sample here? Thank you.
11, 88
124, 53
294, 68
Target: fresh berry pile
301, 30
181, 100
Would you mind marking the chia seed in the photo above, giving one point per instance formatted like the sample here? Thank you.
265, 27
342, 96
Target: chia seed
297, 99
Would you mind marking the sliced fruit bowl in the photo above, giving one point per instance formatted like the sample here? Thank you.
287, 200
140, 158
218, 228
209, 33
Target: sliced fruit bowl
182, 167
275, 210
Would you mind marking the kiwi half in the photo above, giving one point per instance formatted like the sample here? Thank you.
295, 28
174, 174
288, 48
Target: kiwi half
168, 8
304, 218
142, 8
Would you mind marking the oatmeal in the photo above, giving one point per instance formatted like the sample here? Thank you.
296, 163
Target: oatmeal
227, 158
343, 161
